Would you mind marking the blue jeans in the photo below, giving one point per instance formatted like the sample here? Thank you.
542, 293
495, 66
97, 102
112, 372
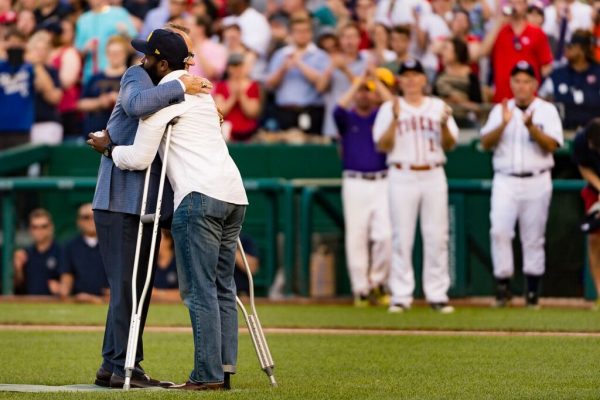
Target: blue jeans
205, 231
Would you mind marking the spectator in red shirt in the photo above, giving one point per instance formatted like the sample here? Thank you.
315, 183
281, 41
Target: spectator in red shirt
238, 98
513, 39
365, 17
596, 27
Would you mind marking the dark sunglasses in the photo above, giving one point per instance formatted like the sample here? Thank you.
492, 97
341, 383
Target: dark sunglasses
41, 226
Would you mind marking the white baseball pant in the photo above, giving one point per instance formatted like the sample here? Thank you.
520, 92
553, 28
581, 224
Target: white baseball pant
368, 232
423, 195
526, 200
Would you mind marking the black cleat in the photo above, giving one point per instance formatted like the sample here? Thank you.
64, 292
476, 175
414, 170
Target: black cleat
503, 294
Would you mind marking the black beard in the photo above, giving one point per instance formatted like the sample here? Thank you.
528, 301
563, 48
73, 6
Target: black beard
153, 74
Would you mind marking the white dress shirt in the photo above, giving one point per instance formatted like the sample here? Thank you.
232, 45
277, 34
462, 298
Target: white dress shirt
198, 161
581, 18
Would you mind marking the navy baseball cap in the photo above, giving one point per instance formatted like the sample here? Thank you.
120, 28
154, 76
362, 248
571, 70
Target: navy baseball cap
411, 65
581, 38
164, 45
523, 66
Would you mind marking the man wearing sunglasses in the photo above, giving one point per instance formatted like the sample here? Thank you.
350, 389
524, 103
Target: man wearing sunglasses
513, 39
37, 267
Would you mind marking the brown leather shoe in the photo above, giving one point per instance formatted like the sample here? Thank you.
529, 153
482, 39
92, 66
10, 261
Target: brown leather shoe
189, 385
138, 381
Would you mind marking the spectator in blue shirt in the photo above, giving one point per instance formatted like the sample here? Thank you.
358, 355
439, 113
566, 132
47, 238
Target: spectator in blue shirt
295, 73
94, 29
575, 87
37, 267
240, 275
17, 103
364, 189
47, 127
82, 273
100, 93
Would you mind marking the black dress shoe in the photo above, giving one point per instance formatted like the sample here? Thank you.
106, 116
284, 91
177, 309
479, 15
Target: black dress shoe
138, 381
189, 385
103, 377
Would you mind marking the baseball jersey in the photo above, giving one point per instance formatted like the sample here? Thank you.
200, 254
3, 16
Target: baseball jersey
166, 278
418, 135
358, 150
17, 99
84, 262
41, 268
517, 152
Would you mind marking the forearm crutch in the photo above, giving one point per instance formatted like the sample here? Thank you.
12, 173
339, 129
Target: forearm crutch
254, 327
145, 219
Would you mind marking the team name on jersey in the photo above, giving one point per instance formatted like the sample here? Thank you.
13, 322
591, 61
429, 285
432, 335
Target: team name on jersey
415, 124
15, 83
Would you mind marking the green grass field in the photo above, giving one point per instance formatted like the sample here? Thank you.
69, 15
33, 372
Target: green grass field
329, 366
321, 316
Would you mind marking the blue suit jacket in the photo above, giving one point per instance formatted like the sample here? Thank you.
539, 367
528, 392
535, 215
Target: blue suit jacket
121, 191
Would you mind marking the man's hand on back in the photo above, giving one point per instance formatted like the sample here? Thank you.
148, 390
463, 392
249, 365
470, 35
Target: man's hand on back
196, 84
99, 143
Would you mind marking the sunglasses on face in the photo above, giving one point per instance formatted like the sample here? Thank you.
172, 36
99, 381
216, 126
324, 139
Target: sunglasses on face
40, 226
190, 57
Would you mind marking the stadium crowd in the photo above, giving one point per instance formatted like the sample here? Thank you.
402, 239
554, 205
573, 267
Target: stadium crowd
280, 65
74, 269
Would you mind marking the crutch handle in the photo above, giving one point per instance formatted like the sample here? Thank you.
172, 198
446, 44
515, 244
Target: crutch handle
173, 121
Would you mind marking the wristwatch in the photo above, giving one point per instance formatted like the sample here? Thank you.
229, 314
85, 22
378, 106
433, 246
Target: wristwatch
108, 150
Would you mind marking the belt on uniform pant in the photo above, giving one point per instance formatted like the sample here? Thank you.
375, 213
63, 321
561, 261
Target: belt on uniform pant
413, 167
369, 176
526, 174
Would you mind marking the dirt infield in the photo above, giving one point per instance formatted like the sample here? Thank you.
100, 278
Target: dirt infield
316, 331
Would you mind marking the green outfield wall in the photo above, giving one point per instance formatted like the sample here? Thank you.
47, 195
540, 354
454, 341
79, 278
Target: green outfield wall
295, 214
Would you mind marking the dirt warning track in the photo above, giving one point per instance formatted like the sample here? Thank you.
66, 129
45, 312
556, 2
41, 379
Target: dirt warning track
317, 331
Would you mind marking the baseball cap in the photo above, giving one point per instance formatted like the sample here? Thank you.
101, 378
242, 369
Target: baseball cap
411, 65
582, 39
325, 31
523, 66
51, 25
279, 18
384, 75
164, 45
536, 6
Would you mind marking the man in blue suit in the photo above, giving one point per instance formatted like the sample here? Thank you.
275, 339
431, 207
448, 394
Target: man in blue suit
117, 204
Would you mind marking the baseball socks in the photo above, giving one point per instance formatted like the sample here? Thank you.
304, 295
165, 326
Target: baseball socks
503, 294
532, 295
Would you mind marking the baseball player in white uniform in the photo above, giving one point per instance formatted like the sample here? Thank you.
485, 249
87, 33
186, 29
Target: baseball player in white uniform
414, 131
523, 133
365, 188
